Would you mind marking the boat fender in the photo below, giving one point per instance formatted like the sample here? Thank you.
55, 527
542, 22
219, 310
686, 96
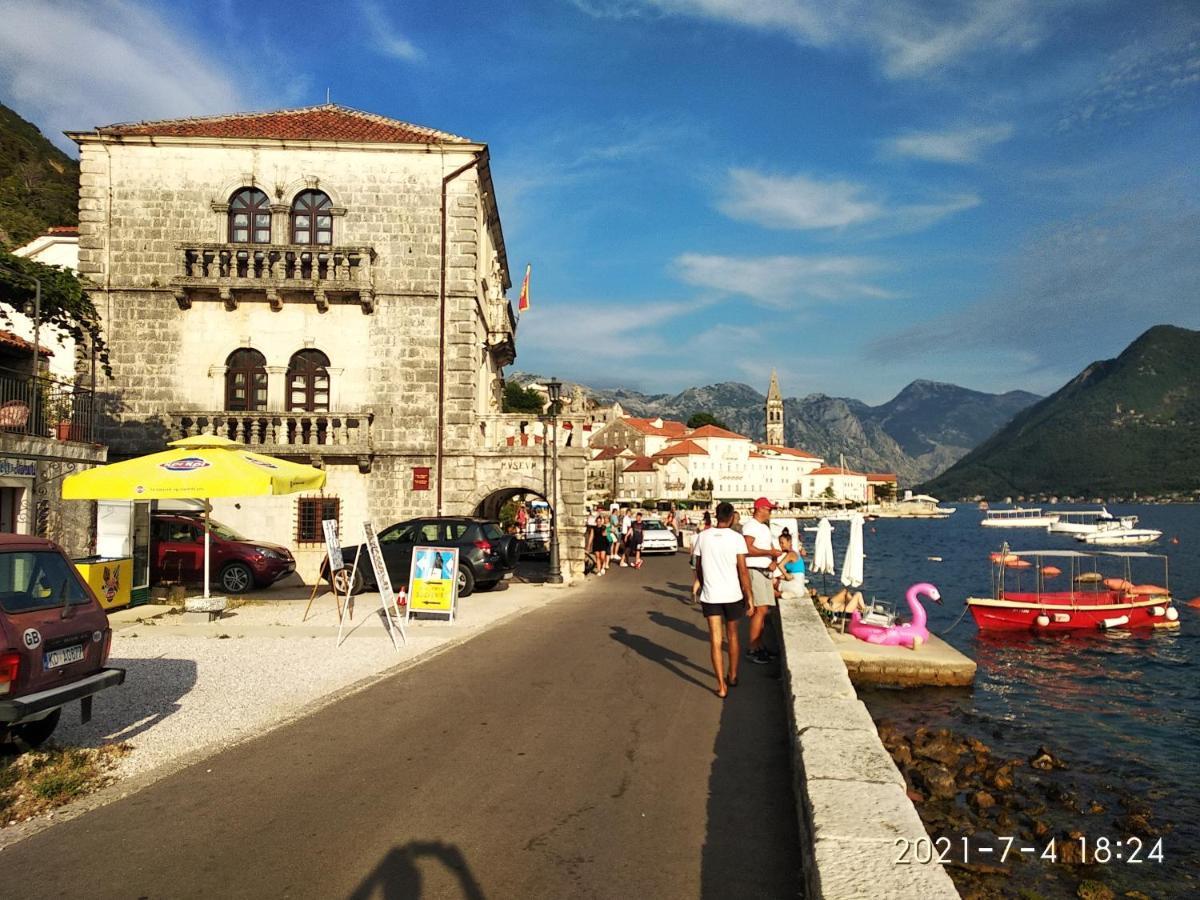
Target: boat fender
1105, 624
1062, 617
1157, 611
1172, 614
1043, 621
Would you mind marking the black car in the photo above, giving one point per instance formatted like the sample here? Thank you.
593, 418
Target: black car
485, 553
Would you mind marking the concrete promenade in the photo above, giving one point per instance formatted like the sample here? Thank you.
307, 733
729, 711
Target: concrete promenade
574, 751
855, 817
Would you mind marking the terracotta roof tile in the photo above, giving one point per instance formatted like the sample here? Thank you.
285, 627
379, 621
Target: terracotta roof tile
640, 464
669, 427
329, 122
8, 339
787, 451
683, 448
880, 476
835, 470
712, 431
63, 229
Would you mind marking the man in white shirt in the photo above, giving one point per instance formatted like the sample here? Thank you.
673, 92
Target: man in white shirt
720, 555
761, 553
626, 530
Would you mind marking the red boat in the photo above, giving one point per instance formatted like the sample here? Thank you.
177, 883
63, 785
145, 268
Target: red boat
1089, 600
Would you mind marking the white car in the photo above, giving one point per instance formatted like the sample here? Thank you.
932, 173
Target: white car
658, 538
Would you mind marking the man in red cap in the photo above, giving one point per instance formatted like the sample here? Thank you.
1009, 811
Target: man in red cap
761, 553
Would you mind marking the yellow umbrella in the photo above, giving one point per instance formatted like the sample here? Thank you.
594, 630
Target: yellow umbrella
199, 468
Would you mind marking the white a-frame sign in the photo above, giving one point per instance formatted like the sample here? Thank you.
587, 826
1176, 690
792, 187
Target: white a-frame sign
389, 610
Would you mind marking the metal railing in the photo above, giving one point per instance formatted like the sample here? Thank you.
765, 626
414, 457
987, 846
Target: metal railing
46, 407
328, 432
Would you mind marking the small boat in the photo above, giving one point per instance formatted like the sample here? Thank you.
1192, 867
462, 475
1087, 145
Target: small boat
1020, 517
1120, 532
1093, 601
1085, 521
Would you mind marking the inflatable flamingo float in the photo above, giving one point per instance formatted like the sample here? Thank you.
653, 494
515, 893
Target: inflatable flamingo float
912, 634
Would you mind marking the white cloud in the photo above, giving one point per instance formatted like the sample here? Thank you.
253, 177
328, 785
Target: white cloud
795, 201
606, 331
76, 66
800, 202
783, 281
910, 38
961, 145
387, 40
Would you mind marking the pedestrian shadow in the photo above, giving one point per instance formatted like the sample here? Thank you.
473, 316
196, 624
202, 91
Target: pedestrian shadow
668, 659
687, 629
149, 695
751, 805
670, 595
401, 874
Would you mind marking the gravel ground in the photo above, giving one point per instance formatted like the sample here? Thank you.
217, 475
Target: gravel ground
190, 687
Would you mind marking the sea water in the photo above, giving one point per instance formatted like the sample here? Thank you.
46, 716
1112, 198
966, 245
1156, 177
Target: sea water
1122, 709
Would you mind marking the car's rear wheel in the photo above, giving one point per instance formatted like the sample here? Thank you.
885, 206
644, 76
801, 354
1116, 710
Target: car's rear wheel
32, 735
343, 582
466, 581
511, 554
236, 578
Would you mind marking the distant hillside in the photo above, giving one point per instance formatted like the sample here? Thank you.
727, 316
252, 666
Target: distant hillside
918, 433
1122, 425
39, 184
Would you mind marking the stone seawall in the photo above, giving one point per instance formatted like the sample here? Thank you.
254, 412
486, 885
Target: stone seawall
856, 821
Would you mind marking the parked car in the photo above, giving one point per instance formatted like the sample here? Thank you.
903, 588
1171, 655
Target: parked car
658, 538
54, 639
237, 563
485, 553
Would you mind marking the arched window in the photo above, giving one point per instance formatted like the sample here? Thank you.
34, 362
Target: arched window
308, 382
249, 217
312, 221
245, 381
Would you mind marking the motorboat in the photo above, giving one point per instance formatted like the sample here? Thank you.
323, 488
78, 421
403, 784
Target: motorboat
1121, 533
1019, 517
1091, 597
1085, 521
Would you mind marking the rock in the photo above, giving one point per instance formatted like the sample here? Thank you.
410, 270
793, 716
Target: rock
902, 755
1070, 852
1006, 823
890, 734
977, 746
941, 750
1096, 808
915, 796
937, 782
982, 800
1040, 828
1094, 890
1002, 778
1045, 760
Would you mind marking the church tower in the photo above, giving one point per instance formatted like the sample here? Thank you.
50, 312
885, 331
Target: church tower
774, 413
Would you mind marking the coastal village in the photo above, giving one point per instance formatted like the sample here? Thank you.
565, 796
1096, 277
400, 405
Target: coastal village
305, 584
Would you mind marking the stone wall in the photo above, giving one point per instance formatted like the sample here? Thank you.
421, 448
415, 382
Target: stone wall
854, 812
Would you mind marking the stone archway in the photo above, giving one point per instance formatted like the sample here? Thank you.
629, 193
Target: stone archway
489, 507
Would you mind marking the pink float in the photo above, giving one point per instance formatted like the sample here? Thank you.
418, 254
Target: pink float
912, 634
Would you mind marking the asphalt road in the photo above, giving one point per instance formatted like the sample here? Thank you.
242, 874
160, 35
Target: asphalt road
576, 752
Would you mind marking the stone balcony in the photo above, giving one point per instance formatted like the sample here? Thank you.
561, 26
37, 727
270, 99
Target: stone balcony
275, 273
316, 435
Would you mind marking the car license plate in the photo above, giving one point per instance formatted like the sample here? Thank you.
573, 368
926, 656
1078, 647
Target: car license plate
63, 656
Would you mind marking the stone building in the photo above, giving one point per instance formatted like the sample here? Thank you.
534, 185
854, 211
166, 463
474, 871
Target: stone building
774, 413
322, 284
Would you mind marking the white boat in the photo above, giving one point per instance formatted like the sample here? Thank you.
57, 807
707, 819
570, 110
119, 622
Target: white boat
1021, 517
1086, 521
1120, 533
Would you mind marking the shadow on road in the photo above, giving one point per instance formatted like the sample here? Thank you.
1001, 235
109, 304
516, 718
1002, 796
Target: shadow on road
670, 595
687, 629
399, 875
668, 659
753, 839
150, 694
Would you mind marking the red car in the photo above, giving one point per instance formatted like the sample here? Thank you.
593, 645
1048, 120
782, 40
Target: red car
54, 639
238, 564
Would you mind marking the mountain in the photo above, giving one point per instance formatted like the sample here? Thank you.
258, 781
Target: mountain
1124, 425
39, 184
918, 433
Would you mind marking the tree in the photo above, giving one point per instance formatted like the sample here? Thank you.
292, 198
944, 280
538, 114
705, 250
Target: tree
695, 484
66, 306
519, 399
700, 419
828, 493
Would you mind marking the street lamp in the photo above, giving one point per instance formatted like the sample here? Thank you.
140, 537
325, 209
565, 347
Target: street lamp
554, 392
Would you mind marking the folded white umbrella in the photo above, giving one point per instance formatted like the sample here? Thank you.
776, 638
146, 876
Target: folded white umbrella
822, 559
852, 566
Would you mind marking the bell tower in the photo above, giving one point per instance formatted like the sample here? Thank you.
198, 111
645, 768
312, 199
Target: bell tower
774, 413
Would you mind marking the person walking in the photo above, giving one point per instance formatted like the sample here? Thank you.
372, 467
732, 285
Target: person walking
599, 545
613, 533
705, 524
636, 531
626, 530
761, 554
725, 592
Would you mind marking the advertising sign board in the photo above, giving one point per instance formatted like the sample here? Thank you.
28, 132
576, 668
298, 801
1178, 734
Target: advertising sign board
434, 581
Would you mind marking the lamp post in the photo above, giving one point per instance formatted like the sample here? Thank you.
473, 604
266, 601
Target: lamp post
554, 391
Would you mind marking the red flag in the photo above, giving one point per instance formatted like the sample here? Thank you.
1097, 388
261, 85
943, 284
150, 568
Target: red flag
523, 303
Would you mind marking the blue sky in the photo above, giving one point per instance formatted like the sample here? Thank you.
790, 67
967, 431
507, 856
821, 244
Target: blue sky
992, 193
